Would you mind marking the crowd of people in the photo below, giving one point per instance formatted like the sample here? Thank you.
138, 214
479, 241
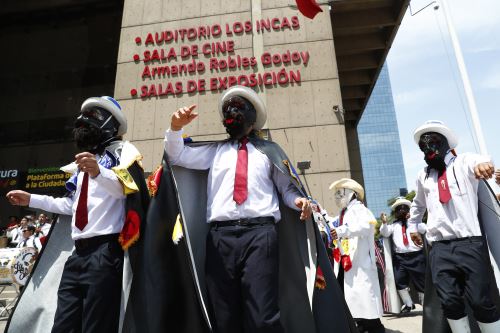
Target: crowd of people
251, 188
27, 232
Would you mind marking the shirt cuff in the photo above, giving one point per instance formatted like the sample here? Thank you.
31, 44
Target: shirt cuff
106, 173
422, 228
341, 231
412, 227
293, 205
170, 134
36, 201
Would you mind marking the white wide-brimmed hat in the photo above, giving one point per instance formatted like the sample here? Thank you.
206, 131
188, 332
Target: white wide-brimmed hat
252, 97
350, 184
401, 201
438, 127
111, 105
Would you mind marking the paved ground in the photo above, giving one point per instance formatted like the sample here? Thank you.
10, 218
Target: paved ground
410, 323
7, 297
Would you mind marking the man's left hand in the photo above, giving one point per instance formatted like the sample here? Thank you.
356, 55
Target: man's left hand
484, 170
305, 205
417, 239
87, 163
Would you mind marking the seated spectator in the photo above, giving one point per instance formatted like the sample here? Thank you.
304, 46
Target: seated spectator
13, 222
43, 225
30, 240
12, 227
17, 233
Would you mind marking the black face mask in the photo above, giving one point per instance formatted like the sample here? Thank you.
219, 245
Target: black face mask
94, 130
401, 213
239, 117
435, 147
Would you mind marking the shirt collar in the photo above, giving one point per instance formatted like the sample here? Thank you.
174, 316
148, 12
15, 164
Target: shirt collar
352, 203
448, 158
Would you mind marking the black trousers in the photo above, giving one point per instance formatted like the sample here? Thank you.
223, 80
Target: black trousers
242, 273
90, 290
461, 268
410, 267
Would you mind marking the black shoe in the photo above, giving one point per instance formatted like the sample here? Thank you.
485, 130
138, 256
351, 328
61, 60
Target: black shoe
407, 309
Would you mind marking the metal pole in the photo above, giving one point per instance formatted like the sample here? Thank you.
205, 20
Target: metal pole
465, 80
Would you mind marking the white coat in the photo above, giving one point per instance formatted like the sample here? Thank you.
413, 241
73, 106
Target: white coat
361, 285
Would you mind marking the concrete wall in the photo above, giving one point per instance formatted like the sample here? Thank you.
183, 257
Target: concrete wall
300, 115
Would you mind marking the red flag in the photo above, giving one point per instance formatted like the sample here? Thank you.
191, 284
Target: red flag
308, 8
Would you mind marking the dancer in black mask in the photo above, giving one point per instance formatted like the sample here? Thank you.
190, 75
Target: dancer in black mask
408, 256
458, 257
251, 187
242, 246
105, 206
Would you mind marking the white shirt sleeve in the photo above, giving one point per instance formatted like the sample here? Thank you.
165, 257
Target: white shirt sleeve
200, 158
107, 180
422, 228
418, 207
51, 204
386, 229
288, 191
361, 227
471, 160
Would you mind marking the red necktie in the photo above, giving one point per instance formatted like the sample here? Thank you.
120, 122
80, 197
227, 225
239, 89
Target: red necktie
405, 237
444, 190
341, 219
81, 217
240, 193
336, 250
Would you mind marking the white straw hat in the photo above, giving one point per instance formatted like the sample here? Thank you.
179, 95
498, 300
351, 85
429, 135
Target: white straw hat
252, 97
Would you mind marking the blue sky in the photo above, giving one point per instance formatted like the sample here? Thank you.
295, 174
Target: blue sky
426, 82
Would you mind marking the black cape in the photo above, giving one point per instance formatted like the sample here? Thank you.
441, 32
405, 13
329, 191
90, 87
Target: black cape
168, 295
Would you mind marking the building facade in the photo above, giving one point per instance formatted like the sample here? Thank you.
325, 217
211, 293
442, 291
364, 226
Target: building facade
153, 56
381, 156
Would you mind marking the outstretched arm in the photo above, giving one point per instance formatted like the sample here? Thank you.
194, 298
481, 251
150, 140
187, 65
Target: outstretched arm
45, 202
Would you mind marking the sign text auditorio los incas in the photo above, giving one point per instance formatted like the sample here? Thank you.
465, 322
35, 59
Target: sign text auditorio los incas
201, 58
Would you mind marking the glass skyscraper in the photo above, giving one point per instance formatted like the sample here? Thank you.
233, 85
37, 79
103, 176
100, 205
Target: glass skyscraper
383, 169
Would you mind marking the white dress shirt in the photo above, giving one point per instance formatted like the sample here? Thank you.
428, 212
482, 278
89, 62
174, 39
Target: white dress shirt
220, 159
458, 217
395, 229
17, 235
32, 241
45, 228
105, 204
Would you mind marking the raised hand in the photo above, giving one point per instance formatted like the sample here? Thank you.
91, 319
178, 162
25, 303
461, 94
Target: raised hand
383, 218
182, 117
